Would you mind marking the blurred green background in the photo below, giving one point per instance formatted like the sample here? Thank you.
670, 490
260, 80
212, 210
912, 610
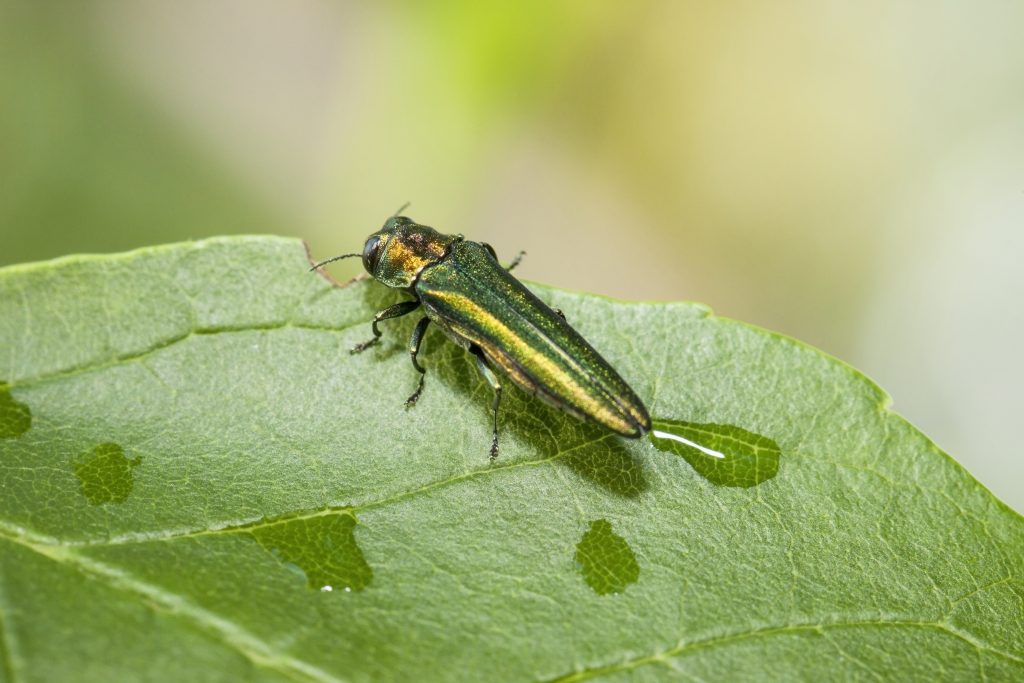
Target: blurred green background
851, 174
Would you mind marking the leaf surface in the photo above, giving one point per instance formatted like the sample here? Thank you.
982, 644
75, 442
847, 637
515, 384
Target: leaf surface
199, 482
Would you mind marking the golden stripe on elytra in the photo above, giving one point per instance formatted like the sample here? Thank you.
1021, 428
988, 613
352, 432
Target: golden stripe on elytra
597, 408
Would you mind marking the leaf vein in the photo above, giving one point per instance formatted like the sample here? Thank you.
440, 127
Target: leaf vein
20, 534
132, 356
687, 647
8, 651
250, 646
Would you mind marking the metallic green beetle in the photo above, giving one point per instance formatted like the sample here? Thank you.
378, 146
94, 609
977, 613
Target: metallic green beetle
482, 307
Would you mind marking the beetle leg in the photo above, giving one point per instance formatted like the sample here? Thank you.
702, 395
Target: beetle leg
515, 261
485, 370
398, 310
414, 348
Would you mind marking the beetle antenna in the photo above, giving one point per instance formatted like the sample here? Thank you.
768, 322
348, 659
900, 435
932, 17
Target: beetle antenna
402, 208
331, 260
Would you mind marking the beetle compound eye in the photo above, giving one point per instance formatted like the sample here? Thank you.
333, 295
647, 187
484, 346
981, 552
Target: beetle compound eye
371, 252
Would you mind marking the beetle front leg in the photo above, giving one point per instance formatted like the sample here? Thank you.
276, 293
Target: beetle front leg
414, 348
396, 311
485, 370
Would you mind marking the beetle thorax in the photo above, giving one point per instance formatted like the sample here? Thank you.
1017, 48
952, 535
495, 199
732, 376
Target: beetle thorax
409, 249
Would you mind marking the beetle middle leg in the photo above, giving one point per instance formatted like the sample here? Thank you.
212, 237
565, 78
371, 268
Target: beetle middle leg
414, 348
396, 311
492, 379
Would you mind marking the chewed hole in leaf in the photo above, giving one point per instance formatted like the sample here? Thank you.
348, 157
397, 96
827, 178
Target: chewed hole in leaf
15, 416
105, 473
323, 547
607, 562
723, 454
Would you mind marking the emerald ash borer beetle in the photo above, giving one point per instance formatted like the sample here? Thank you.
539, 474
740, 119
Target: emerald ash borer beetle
482, 307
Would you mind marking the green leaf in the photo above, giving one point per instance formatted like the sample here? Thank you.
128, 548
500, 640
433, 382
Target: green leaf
199, 482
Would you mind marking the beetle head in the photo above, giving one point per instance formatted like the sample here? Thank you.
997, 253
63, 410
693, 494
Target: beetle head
395, 254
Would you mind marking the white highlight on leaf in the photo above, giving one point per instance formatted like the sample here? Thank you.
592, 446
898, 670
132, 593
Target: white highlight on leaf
676, 437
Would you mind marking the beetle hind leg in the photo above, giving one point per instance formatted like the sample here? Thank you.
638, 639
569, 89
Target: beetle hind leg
414, 349
516, 261
492, 379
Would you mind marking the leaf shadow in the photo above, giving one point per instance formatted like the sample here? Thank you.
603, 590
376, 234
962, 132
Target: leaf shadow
588, 450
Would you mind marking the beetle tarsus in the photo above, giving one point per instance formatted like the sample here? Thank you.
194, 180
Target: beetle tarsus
411, 401
359, 348
396, 311
488, 373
